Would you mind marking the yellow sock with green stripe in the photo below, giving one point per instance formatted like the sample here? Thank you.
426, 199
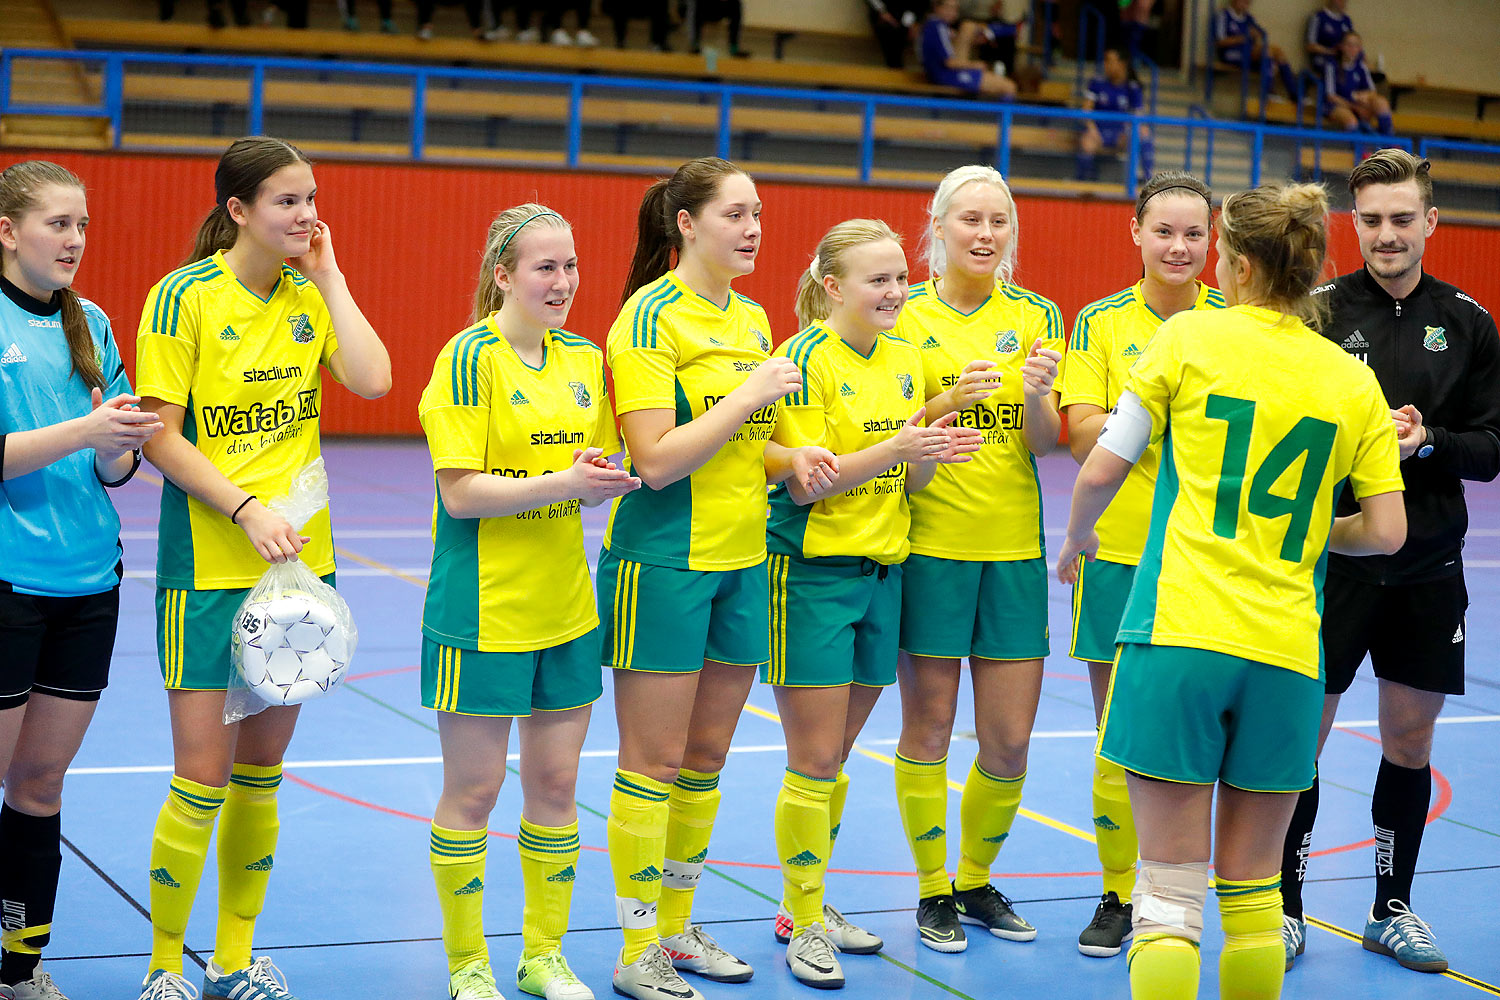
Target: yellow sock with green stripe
988, 809
836, 807
1253, 962
549, 860
692, 805
457, 858
1163, 967
802, 843
922, 799
248, 828
179, 848
637, 832
1114, 828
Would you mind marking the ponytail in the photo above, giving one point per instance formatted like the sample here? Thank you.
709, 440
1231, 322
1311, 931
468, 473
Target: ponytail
81, 347
218, 232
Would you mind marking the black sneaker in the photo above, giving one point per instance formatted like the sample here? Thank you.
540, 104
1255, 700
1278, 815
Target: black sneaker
988, 907
937, 922
1110, 926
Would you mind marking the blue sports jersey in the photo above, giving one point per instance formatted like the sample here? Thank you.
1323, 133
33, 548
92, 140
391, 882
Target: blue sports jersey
59, 533
1327, 29
1124, 97
1228, 24
937, 48
1346, 81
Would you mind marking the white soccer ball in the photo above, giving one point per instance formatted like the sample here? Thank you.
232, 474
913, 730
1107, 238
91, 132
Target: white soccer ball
291, 648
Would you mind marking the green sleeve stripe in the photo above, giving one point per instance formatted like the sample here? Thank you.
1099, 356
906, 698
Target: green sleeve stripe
644, 303
165, 287
800, 351
466, 363
170, 292
649, 331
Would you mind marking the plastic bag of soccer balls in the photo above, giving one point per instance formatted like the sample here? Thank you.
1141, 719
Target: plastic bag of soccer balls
294, 636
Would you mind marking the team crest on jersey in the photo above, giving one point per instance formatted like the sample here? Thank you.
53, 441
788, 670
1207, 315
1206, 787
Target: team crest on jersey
581, 394
1006, 342
765, 344
302, 331
904, 380
1436, 339
228, 333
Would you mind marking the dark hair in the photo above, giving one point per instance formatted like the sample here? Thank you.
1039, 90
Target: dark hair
242, 169
21, 188
694, 185
1284, 229
1393, 166
1171, 180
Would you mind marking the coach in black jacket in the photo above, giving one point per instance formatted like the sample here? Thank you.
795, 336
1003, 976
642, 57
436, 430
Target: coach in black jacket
1436, 353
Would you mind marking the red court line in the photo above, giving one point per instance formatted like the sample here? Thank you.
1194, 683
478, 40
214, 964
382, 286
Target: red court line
382, 673
1444, 800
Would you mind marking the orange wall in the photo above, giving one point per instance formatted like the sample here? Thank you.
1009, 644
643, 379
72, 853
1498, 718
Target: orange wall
409, 238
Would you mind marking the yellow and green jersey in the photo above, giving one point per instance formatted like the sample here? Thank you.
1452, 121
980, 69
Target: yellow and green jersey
246, 369
1107, 338
519, 582
1260, 422
989, 509
672, 349
849, 401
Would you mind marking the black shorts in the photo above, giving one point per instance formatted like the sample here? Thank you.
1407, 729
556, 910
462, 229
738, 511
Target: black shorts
56, 645
1413, 632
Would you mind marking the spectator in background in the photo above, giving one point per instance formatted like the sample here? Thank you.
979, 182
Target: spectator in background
895, 23
697, 13
1135, 20
620, 13
996, 23
477, 11
1325, 29
296, 12
1353, 101
351, 19
1113, 90
555, 33
947, 55
238, 9
1241, 41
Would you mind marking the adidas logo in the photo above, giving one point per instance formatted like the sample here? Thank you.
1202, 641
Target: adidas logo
833, 833
845, 391
13, 355
930, 343
1458, 635
699, 858
566, 875
1355, 342
996, 840
803, 859
1131, 352
518, 398
228, 334
476, 884
932, 834
1105, 823
650, 873
163, 877
265, 864
716, 341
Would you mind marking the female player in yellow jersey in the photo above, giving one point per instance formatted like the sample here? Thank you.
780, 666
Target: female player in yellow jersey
835, 557
519, 425
1219, 675
229, 354
683, 592
1171, 226
990, 350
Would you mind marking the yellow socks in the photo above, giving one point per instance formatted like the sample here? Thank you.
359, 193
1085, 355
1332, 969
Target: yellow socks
637, 849
1253, 962
457, 859
692, 805
922, 798
988, 810
179, 848
1114, 828
248, 828
1163, 968
836, 807
549, 856
802, 842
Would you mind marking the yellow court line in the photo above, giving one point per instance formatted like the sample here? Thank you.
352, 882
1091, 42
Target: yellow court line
1035, 817
383, 567
1457, 977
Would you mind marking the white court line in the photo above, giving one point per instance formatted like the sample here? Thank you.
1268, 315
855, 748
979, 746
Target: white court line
345, 572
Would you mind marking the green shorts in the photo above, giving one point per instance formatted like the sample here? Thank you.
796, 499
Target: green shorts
1195, 716
470, 682
194, 636
1099, 596
833, 622
955, 608
666, 620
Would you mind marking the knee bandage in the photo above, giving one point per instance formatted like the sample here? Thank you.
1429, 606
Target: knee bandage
1169, 899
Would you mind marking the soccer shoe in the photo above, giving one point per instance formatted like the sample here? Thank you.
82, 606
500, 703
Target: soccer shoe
651, 977
547, 975
261, 981
938, 926
814, 960
6, 993
1110, 926
847, 937
1405, 937
164, 985
988, 907
694, 951
475, 981
1293, 938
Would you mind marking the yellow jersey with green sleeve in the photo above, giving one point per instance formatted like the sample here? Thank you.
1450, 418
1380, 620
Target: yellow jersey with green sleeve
247, 371
672, 349
849, 401
989, 509
1107, 338
519, 582
1260, 423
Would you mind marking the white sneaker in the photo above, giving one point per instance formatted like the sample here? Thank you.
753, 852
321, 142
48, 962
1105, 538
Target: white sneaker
560, 37
695, 951
547, 975
586, 38
651, 977
529, 35
39, 987
499, 33
475, 981
425, 33
814, 960
847, 937
164, 985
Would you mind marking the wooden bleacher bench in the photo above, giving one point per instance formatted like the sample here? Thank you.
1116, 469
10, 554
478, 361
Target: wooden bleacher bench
1341, 161
1481, 98
1405, 122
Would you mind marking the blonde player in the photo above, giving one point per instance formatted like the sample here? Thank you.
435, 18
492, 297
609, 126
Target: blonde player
683, 592
990, 351
518, 424
1219, 676
836, 555
229, 354
1171, 226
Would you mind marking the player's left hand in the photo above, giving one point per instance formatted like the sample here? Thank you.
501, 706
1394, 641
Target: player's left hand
318, 263
1068, 560
1039, 371
963, 442
815, 470
1410, 434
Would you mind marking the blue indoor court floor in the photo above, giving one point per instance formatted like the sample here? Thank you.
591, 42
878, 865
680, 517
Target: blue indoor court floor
352, 912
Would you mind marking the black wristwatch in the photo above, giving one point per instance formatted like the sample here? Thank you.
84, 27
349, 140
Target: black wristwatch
1426, 448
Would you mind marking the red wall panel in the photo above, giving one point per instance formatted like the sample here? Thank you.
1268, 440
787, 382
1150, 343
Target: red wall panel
409, 239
